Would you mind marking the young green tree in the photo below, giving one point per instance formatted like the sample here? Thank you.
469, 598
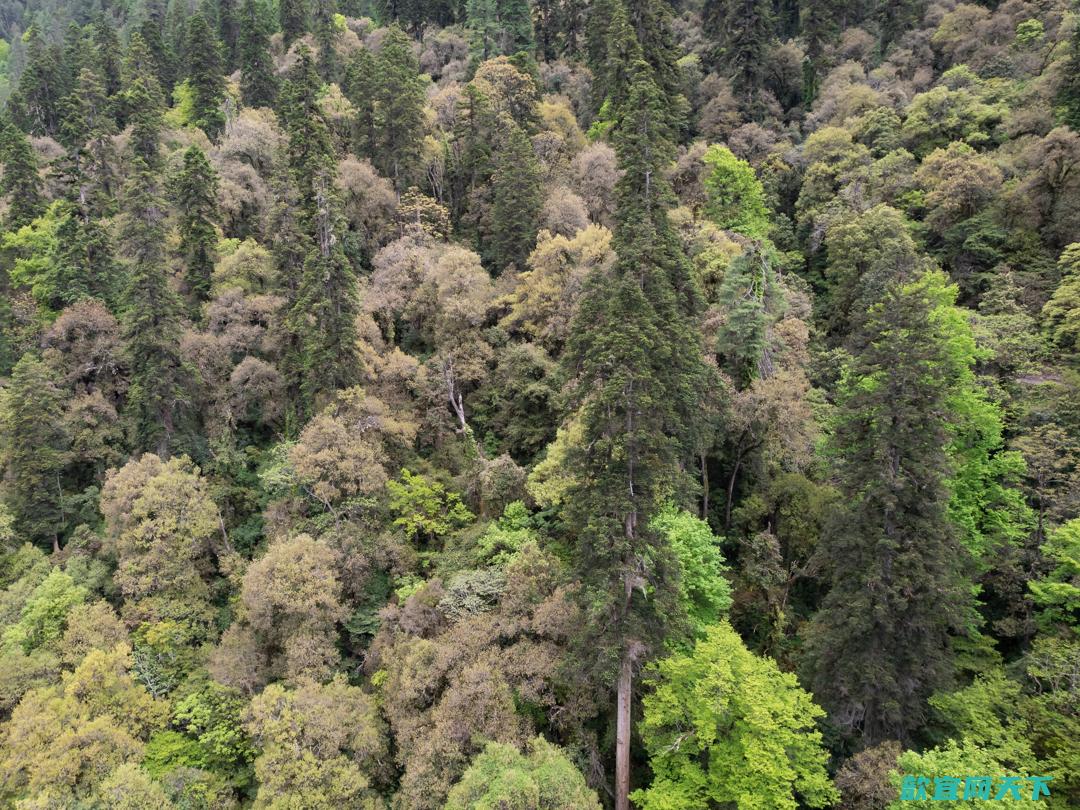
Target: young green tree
716, 709
203, 55
195, 197
896, 565
258, 82
734, 197
34, 451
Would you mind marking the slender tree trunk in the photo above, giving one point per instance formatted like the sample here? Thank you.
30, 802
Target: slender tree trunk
622, 733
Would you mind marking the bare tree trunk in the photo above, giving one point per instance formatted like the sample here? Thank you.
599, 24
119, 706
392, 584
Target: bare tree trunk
622, 733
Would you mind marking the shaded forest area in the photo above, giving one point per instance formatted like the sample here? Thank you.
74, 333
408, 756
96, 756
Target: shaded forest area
560, 405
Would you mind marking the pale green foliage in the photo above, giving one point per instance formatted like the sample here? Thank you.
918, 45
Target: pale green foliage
43, 616
735, 197
716, 709
1058, 593
502, 778
704, 592
425, 508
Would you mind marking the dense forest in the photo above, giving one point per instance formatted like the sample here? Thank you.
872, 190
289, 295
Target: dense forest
552, 405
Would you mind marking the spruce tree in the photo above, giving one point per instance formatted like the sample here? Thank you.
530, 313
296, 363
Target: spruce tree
638, 374
1069, 90
107, 53
84, 263
321, 355
34, 451
21, 183
516, 27
880, 645
203, 54
743, 31
360, 88
36, 102
87, 132
325, 36
228, 26
258, 84
143, 101
195, 196
293, 16
151, 315
517, 201
161, 56
399, 109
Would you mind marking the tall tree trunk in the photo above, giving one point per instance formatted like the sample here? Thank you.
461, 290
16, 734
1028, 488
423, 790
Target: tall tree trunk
622, 732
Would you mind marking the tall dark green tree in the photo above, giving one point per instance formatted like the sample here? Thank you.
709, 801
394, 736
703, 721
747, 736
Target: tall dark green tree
144, 101
326, 33
203, 55
107, 53
87, 131
517, 201
21, 182
34, 450
743, 33
195, 197
36, 102
399, 109
636, 363
360, 87
1069, 91
258, 83
293, 15
880, 645
161, 49
321, 356
151, 316
84, 258
228, 26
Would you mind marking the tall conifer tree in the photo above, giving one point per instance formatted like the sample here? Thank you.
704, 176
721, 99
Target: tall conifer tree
258, 83
880, 644
204, 76
195, 194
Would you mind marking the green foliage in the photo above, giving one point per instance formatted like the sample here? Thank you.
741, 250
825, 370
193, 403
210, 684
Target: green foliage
502, 777
195, 191
715, 709
43, 617
1058, 593
735, 199
704, 592
425, 509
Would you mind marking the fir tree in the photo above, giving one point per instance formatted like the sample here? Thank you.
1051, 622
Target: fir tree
87, 131
195, 196
143, 101
743, 30
322, 354
517, 201
880, 644
204, 76
516, 27
639, 375
258, 84
21, 183
325, 36
161, 57
34, 451
293, 16
1069, 90
36, 103
360, 88
228, 26
107, 53
399, 109
84, 263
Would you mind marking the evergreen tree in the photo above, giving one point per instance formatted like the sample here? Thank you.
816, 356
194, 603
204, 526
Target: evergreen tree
819, 23
360, 87
228, 26
36, 103
516, 27
107, 53
1069, 91
161, 57
880, 644
195, 196
151, 310
204, 76
399, 109
743, 32
322, 353
84, 263
258, 84
87, 132
517, 201
34, 451
293, 16
639, 375
21, 183
325, 36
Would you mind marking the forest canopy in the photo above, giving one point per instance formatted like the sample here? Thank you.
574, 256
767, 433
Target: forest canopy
550, 405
